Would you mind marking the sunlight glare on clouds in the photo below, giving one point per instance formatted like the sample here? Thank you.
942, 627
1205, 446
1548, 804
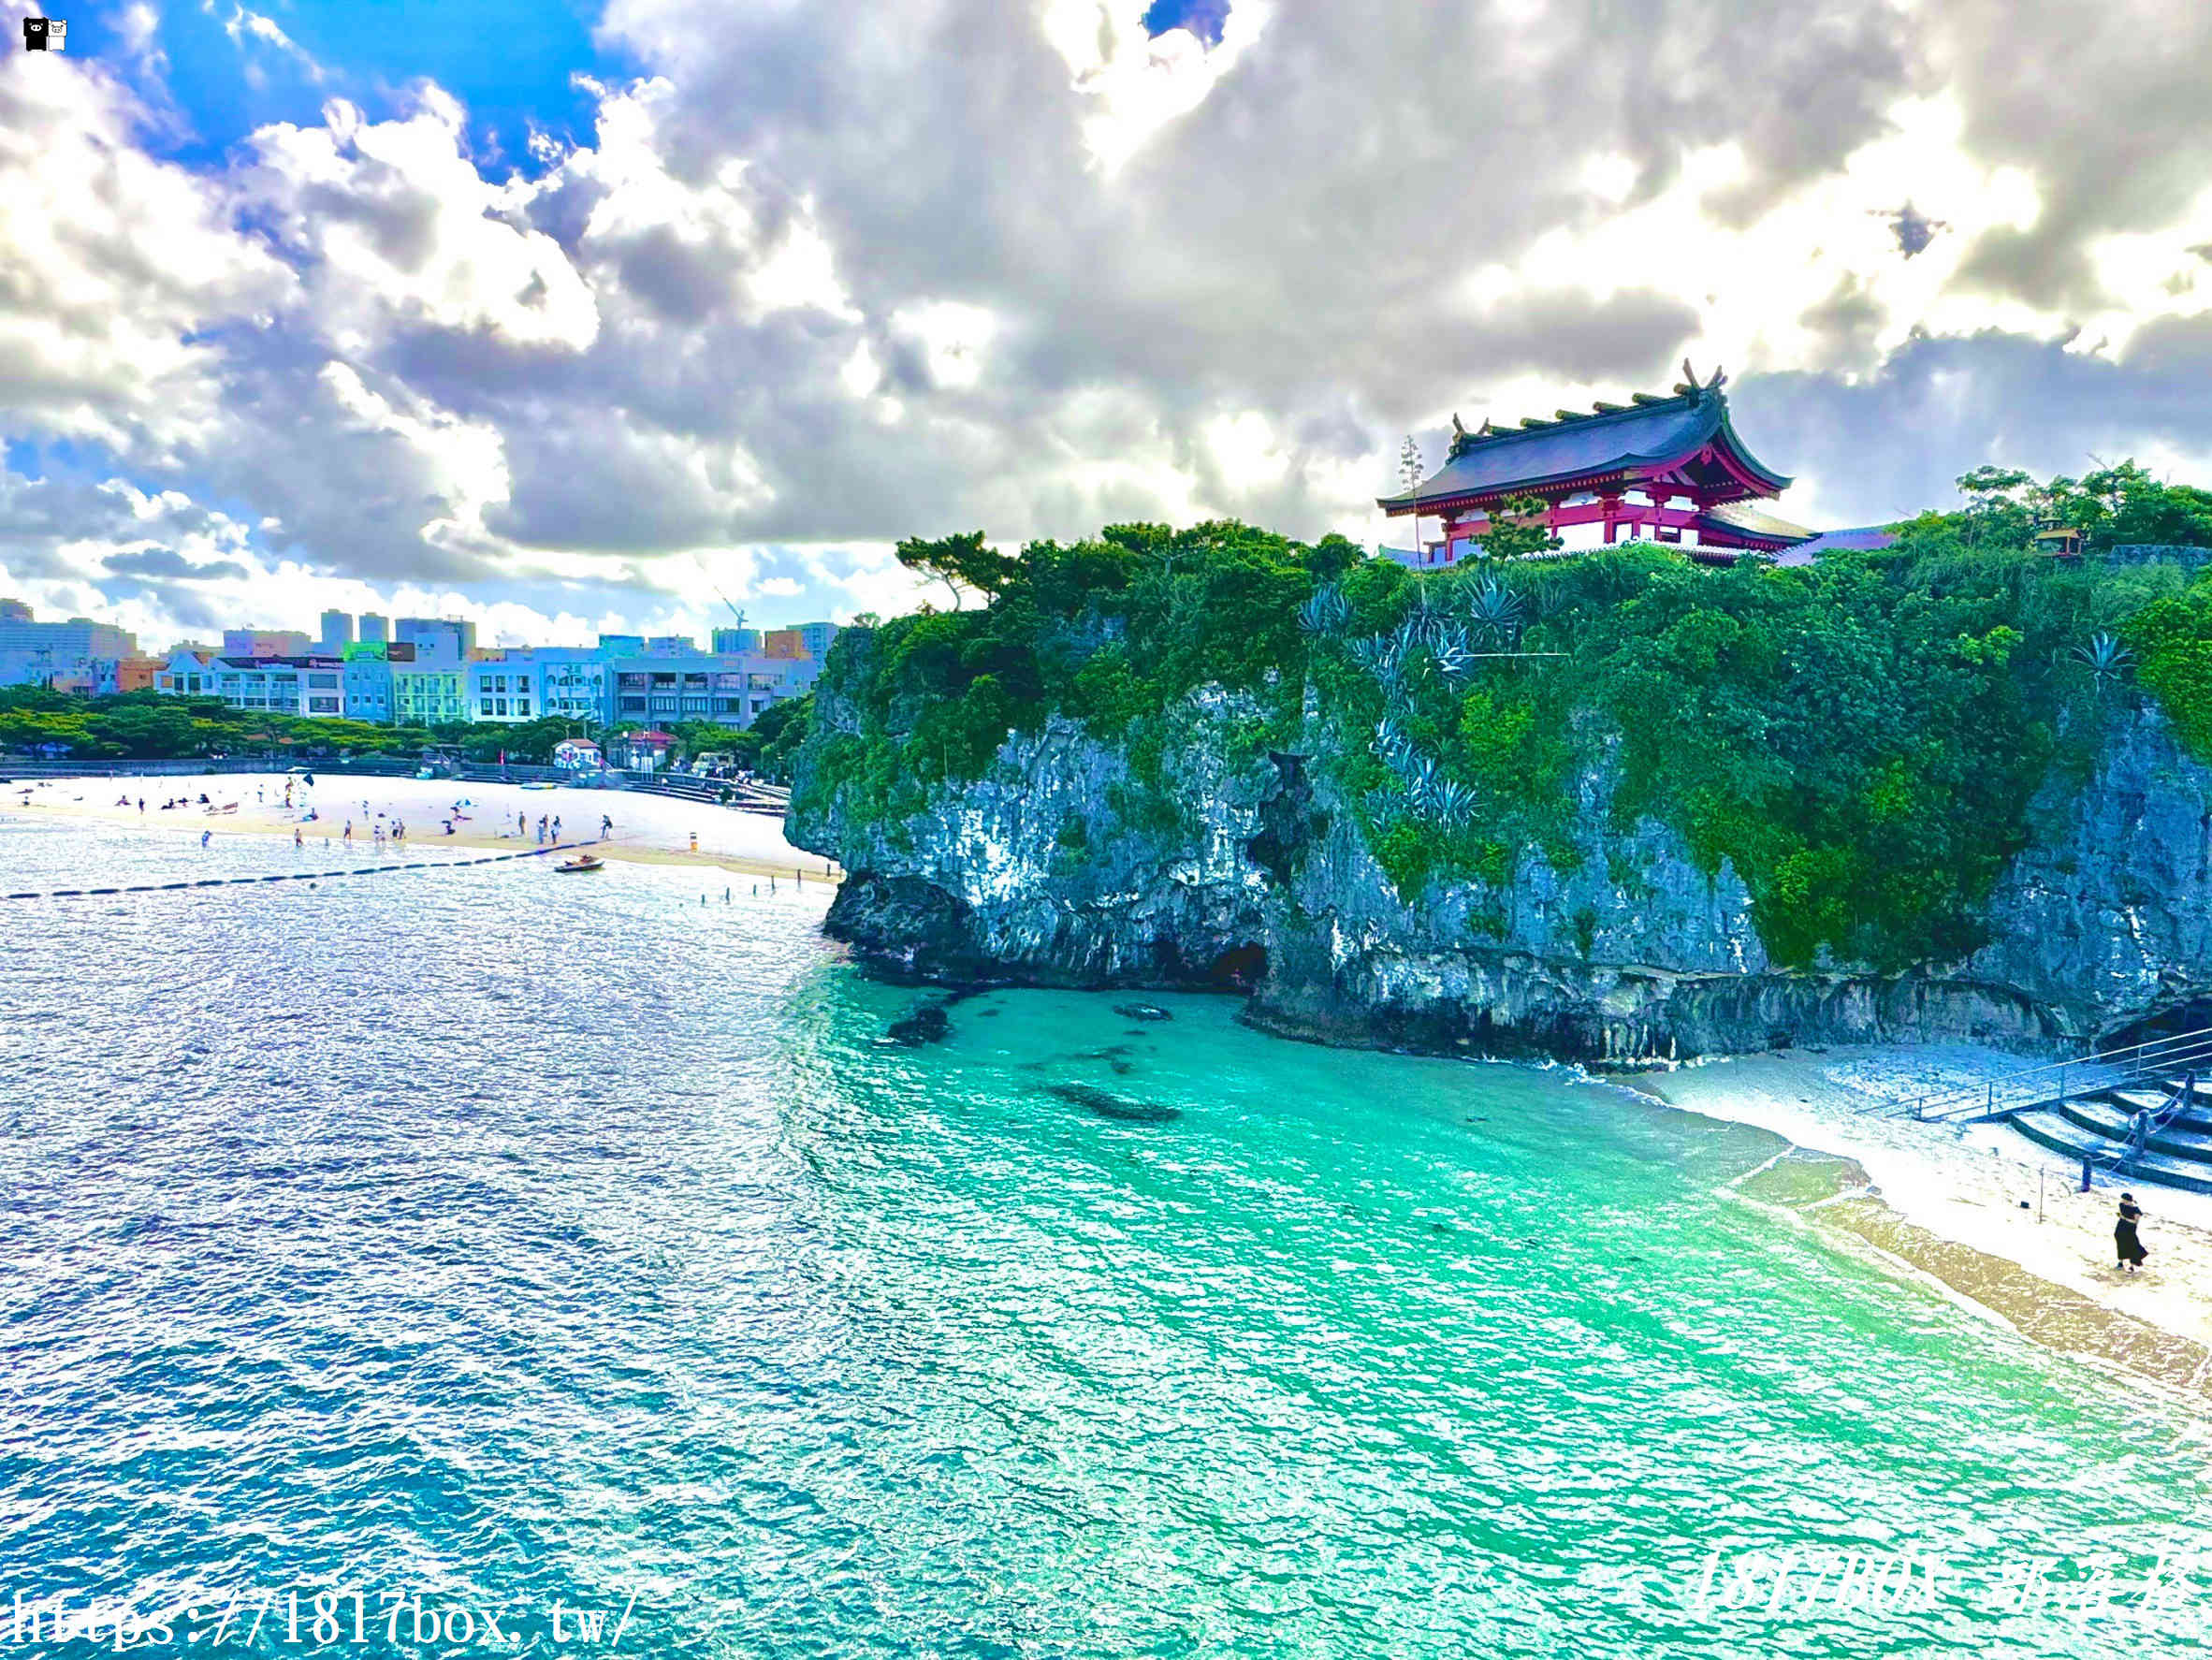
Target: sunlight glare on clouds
1609, 176
1138, 82
953, 337
1246, 450
802, 272
467, 458
1829, 241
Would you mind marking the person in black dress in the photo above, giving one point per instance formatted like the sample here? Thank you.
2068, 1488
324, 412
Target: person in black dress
2124, 1236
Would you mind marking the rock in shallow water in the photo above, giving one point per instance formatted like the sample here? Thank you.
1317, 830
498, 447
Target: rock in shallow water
929, 1023
1142, 1012
1117, 1107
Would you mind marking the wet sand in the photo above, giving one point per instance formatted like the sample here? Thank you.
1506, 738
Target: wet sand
1980, 1213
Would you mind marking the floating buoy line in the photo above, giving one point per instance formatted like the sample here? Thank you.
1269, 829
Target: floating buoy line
239, 882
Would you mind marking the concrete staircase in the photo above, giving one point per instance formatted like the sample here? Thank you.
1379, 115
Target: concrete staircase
2089, 1106
2097, 1127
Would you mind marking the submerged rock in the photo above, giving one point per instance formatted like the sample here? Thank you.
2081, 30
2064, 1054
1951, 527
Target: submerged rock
1142, 1012
1117, 1107
929, 1023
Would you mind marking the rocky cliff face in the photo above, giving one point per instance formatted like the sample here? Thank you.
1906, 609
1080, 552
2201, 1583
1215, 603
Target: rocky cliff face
1240, 871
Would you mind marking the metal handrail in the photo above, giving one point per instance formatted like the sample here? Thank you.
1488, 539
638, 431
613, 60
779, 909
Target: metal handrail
2133, 1060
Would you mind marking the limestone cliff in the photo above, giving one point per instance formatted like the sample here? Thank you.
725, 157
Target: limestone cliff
1241, 871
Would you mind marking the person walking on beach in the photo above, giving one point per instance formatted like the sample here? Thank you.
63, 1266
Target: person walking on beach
348, 837
205, 836
556, 829
606, 826
2124, 1236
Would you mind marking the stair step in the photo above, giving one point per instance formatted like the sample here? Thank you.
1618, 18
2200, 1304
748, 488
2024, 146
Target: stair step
2199, 1116
2181, 1139
2050, 1129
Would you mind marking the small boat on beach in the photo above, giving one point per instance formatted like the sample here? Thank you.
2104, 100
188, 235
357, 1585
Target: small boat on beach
581, 862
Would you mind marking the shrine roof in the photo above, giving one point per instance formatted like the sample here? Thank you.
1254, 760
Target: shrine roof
1647, 438
1747, 520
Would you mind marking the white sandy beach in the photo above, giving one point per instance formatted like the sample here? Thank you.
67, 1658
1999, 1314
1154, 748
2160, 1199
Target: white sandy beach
1983, 1211
647, 828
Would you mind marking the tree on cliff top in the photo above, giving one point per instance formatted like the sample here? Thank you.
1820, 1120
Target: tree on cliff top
960, 562
1517, 528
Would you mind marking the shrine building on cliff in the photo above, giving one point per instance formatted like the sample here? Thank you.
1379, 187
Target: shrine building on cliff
1671, 469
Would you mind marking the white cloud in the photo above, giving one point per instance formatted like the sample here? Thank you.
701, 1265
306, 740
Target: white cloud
1136, 84
392, 223
112, 265
953, 337
814, 284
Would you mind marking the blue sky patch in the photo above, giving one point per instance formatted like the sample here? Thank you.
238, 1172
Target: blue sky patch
509, 62
1203, 18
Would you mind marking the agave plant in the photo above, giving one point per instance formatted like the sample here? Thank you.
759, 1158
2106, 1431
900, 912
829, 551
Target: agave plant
1372, 652
1421, 781
1326, 610
1496, 610
2106, 659
1386, 807
1451, 803
1391, 742
1454, 661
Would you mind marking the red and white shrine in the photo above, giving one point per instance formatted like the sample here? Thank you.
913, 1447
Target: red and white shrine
1668, 468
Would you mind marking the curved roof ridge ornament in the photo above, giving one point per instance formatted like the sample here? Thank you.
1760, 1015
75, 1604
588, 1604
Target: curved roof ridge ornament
1692, 388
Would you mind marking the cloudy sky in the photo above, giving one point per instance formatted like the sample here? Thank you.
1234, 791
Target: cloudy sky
568, 316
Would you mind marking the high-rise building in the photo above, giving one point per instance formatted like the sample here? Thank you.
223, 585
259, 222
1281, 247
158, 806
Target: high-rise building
673, 645
782, 644
375, 628
442, 639
815, 637
79, 654
735, 642
338, 631
264, 642
14, 611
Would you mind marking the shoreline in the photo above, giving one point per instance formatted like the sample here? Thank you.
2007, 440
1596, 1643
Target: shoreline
1977, 1214
649, 829
1973, 1211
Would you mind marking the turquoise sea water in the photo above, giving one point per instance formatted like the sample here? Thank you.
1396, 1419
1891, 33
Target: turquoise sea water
527, 1244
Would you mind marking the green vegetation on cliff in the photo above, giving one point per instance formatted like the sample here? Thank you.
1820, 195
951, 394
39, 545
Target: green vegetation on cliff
1859, 738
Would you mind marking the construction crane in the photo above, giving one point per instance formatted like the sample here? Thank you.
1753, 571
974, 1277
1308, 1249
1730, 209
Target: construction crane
735, 610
